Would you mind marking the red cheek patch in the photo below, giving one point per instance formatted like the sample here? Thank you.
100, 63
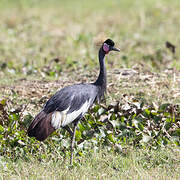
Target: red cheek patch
106, 48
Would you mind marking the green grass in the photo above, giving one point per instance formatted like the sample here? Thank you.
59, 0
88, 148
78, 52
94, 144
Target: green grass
34, 32
48, 44
132, 164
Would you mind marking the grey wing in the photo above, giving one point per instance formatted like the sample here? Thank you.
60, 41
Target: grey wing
70, 103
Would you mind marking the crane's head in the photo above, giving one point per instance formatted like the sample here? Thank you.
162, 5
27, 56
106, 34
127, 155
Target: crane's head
108, 46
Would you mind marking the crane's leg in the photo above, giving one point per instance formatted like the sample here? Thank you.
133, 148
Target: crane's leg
72, 142
67, 128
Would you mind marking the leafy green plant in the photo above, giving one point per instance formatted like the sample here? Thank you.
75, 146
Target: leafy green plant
127, 123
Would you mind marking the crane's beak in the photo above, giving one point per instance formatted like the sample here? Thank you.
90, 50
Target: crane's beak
115, 49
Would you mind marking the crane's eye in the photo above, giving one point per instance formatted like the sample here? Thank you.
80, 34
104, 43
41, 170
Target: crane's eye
106, 47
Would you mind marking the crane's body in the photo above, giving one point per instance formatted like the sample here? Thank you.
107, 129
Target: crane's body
64, 107
69, 104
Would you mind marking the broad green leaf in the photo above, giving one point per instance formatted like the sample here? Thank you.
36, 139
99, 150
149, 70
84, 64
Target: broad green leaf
164, 106
1, 129
96, 108
80, 153
147, 111
3, 102
78, 135
140, 126
52, 73
176, 133
167, 126
81, 127
133, 116
111, 137
122, 118
168, 120
166, 114
113, 116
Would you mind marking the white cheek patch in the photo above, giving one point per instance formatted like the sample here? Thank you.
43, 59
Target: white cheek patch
62, 118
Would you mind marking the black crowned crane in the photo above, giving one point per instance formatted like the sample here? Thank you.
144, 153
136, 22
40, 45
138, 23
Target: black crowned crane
69, 104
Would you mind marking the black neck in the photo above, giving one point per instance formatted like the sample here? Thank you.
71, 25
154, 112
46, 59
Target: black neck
101, 80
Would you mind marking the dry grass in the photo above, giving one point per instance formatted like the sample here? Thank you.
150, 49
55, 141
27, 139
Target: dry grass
154, 88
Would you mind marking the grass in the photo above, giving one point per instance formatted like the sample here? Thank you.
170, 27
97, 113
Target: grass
31, 36
134, 164
46, 45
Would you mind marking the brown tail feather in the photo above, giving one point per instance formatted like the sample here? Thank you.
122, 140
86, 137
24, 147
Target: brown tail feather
40, 127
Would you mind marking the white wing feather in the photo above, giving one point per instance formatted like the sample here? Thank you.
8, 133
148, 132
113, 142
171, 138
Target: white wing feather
62, 118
